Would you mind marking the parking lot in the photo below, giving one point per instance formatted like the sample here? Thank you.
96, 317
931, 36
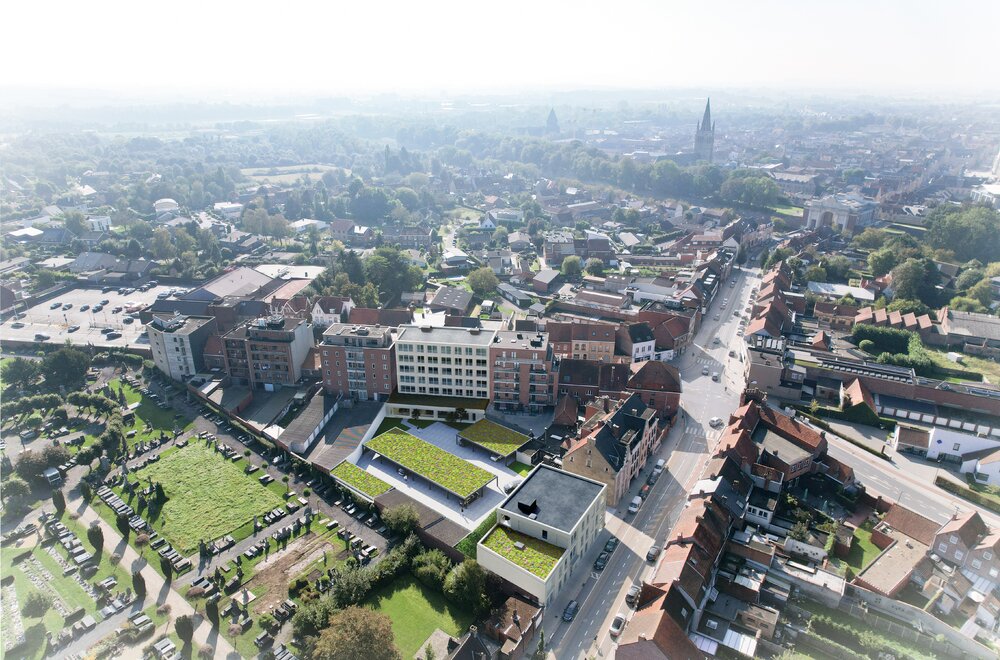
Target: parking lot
58, 322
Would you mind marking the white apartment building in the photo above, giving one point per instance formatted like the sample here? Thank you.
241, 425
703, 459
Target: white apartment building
552, 514
444, 361
177, 343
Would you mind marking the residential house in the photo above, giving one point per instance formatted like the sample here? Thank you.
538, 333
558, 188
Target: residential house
451, 300
327, 310
359, 361
614, 443
583, 341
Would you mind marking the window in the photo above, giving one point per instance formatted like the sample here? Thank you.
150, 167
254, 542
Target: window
957, 446
952, 539
942, 547
987, 555
545, 534
994, 572
959, 554
976, 564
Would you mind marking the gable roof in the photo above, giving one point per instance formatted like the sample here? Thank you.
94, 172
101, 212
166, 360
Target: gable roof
911, 523
969, 527
655, 375
371, 316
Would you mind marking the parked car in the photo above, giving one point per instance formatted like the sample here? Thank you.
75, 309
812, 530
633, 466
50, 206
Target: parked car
72, 328
601, 561
570, 612
658, 468
84, 308
715, 422
55, 305
653, 553
704, 371
113, 335
68, 306
611, 544
633, 594
617, 625
17, 325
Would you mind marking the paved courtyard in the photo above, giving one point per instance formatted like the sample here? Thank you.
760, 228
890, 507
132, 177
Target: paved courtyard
443, 436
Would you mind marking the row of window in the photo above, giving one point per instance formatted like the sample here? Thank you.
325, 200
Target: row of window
443, 350
442, 391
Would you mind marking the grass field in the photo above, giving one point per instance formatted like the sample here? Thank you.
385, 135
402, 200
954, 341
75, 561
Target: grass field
416, 612
863, 551
989, 369
789, 210
287, 173
150, 419
431, 462
207, 496
521, 468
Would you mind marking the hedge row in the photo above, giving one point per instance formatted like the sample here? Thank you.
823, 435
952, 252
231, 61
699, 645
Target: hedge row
967, 493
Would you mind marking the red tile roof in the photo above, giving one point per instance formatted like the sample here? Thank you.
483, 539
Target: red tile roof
911, 523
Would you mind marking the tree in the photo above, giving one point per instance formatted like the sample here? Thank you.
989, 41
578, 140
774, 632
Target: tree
284, 480
431, 567
837, 267
466, 585
971, 232
867, 345
59, 501
870, 239
908, 306
483, 281
982, 292
357, 632
816, 273
595, 267
914, 279
185, 628
313, 616
66, 367
167, 568
882, 261
15, 489
966, 304
572, 266
401, 519
76, 222
95, 534
540, 649
139, 584
968, 278
36, 604
20, 372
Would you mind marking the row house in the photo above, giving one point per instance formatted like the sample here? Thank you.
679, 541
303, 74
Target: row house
359, 361
583, 341
615, 442
524, 371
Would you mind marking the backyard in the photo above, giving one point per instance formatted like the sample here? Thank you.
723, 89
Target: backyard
434, 464
207, 496
416, 612
989, 369
863, 551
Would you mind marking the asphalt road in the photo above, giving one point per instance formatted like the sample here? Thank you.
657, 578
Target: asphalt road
602, 594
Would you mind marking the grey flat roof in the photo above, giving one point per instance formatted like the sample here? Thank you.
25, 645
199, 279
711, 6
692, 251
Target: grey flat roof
444, 335
774, 444
561, 498
306, 421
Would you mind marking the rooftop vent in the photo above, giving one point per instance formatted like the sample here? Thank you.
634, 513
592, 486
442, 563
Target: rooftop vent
518, 545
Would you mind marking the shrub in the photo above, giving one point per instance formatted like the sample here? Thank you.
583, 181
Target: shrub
36, 604
195, 592
141, 540
163, 610
867, 345
431, 567
206, 652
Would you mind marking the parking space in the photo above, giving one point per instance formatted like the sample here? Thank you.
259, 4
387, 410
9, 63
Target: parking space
72, 315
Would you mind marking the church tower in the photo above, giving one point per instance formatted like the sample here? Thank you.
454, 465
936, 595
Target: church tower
552, 124
704, 137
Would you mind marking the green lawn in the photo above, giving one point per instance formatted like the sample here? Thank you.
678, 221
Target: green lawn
416, 612
789, 210
989, 369
521, 468
150, 419
431, 462
537, 557
863, 551
360, 480
207, 496
495, 438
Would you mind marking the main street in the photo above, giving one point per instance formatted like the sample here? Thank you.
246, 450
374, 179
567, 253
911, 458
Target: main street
686, 449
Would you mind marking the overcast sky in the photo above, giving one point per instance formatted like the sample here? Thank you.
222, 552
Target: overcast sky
360, 46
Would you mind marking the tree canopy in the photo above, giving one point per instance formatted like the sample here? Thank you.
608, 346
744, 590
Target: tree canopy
356, 632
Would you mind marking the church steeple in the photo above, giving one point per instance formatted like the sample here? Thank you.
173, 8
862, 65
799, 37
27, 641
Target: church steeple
704, 137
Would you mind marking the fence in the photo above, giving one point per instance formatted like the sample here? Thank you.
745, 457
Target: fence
956, 645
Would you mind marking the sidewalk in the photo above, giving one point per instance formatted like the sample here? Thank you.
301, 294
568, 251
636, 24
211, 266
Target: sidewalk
158, 591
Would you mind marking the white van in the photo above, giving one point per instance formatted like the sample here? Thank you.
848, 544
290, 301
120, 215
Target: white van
715, 376
658, 468
634, 506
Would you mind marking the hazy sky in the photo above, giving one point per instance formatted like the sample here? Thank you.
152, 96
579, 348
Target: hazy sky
340, 47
